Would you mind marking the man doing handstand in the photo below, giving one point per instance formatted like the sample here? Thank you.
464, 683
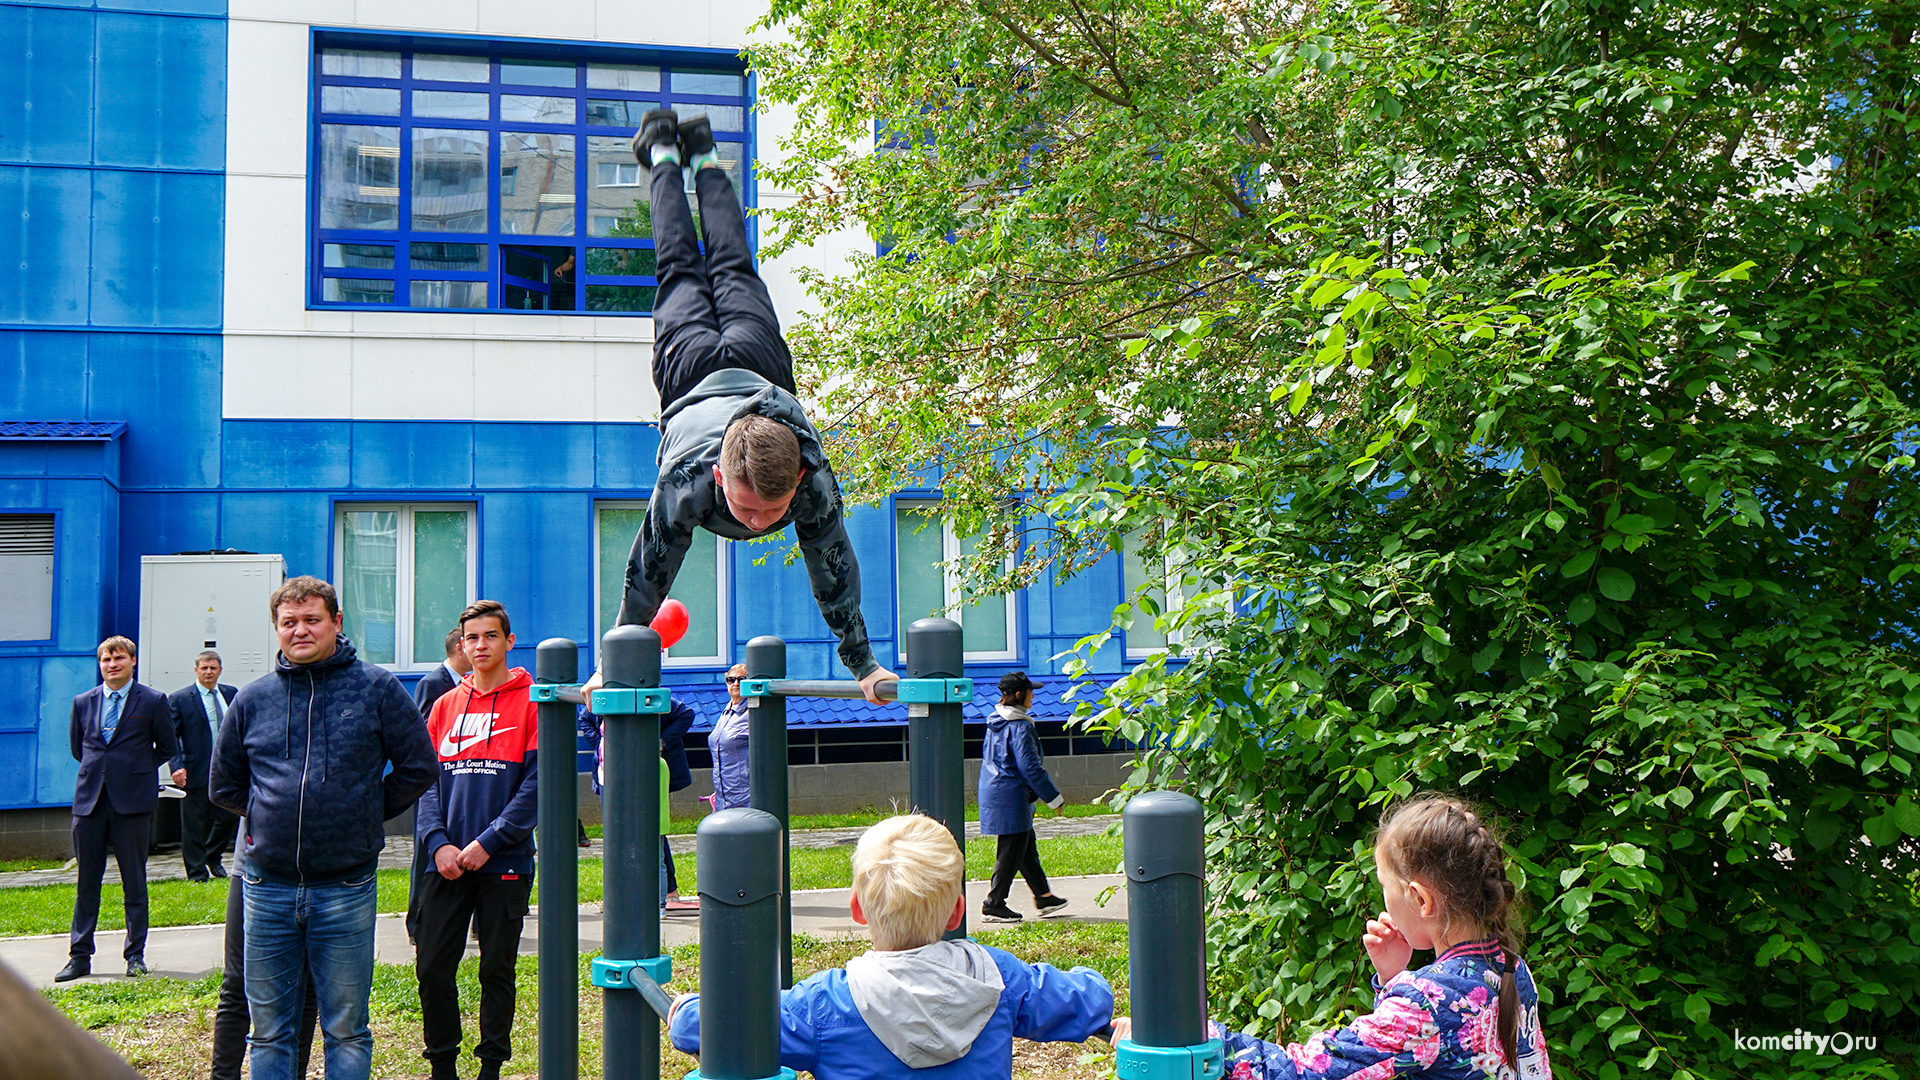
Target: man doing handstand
738, 456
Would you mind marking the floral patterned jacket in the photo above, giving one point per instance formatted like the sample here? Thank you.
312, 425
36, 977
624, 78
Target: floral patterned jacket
1441, 1021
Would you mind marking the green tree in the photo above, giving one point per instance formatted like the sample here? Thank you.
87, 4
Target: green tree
1525, 395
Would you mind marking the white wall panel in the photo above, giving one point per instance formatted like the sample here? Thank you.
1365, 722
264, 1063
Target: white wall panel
447, 16
266, 273
412, 379
288, 376
623, 383
533, 380
518, 18
267, 120
658, 22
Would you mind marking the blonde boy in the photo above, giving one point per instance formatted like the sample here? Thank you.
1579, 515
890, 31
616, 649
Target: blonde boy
917, 1004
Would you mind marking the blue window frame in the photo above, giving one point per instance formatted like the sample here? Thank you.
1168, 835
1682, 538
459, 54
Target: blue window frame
447, 174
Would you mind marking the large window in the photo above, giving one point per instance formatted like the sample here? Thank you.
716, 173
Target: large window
405, 572
495, 182
1147, 579
26, 577
924, 540
1167, 586
701, 585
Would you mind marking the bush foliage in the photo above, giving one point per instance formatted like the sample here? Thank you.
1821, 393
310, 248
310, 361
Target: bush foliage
1521, 397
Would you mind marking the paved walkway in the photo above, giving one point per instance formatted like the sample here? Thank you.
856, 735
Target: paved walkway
188, 952
399, 850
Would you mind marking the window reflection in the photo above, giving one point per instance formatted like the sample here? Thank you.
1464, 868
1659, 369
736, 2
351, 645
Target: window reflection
622, 77
449, 294
449, 105
359, 177
360, 63
537, 72
616, 190
438, 68
528, 109
541, 200
363, 100
718, 83
449, 180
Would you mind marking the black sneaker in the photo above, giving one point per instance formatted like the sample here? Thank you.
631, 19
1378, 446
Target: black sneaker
991, 912
696, 137
1049, 904
661, 127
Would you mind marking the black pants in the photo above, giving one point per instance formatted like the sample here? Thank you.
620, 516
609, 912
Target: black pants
126, 835
1018, 853
711, 312
230, 1019
497, 909
422, 867
206, 831
666, 857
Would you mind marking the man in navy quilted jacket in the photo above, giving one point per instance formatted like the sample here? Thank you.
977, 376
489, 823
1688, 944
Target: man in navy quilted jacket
303, 756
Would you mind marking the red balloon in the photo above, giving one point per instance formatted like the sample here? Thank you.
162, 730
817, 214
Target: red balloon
670, 622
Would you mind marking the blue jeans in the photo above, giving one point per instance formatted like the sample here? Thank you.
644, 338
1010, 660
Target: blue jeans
293, 931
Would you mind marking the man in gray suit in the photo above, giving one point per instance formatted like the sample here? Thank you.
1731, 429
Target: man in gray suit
205, 829
121, 733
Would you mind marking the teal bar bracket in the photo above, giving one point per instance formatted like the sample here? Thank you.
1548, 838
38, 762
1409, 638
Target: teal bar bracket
547, 691
934, 691
1207, 1061
618, 974
754, 688
627, 702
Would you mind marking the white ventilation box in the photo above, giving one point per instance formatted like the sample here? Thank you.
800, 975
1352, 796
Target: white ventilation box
193, 602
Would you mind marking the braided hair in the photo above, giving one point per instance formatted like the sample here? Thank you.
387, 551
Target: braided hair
1445, 844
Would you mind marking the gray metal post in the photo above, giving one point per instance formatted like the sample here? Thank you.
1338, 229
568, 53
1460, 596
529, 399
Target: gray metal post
766, 658
630, 817
1166, 933
740, 852
557, 660
936, 774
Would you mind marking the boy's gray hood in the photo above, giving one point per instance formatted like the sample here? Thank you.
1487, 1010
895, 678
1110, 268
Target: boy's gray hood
691, 428
927, 1004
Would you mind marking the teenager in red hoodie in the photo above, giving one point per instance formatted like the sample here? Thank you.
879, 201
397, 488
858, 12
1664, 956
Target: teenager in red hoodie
476, 823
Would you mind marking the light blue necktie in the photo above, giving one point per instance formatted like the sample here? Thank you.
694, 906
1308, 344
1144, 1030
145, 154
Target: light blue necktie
112, 719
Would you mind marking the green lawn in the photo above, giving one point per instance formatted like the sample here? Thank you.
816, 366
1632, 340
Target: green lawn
15, 866
48, 909
163, 1026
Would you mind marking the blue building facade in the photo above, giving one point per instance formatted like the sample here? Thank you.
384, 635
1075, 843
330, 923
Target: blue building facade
195, 352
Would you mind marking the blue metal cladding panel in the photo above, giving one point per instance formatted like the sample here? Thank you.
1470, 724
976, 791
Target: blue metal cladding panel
286, 453
162, 87
17, 763
167, 388
402, 456
43, 228
533, 559
157, 249
163, 7
623, 456
21, 676
870, 528
42, 374
62, 678
557, 456
775, 598
161, 524
89, 534
51, 121
295, 524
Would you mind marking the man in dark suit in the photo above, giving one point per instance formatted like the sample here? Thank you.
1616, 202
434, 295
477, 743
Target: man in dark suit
121, 733
205, 829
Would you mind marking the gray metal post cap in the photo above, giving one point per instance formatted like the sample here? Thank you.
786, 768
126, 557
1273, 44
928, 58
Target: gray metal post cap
935, 649
557, 660
1164, 834
740, 853
765, 657
630, 656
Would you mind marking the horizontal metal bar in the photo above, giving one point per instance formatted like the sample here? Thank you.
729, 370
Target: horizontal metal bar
550, 692
887, 690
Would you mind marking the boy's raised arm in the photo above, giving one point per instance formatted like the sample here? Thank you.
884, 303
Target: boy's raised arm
1063, 1006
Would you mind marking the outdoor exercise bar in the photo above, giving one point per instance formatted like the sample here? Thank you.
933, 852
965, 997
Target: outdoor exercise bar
740, 853
557, 661
1165, 851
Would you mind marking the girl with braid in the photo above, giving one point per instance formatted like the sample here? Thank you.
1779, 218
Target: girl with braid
1472, 1013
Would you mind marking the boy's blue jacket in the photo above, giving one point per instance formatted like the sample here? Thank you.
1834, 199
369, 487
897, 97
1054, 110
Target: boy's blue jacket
487, 790
822, 1030
301, 754
1012, 774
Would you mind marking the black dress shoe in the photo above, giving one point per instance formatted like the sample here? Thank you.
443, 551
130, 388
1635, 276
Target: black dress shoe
136, 968
201, 877
216, 870
78, 967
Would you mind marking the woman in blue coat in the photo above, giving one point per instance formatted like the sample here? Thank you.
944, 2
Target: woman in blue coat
1013, 774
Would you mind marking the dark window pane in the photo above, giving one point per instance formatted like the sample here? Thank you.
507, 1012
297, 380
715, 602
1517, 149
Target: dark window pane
537, 72
358, 290
364, 100
620, 297
359, 256
717, 83
529, 109
621, 262
447, 257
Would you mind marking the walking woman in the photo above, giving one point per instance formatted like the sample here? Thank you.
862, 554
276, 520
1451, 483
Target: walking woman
1013, 775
